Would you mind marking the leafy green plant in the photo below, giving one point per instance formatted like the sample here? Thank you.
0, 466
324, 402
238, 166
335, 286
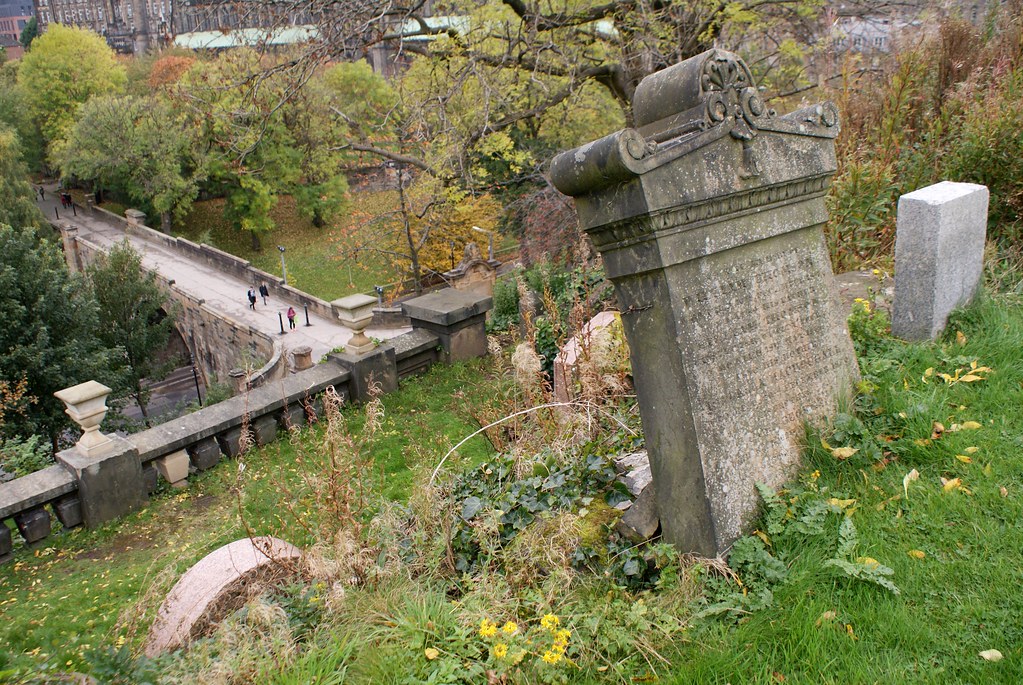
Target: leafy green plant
506, 305
24, 456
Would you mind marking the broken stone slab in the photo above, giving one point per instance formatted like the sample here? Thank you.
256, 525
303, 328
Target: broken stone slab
634, 471
641, 521
212, 589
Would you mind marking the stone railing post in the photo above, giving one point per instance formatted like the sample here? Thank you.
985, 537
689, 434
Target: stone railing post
708, 216
106, 467
457, 317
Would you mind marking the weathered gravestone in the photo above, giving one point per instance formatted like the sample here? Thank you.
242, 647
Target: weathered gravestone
939, 255
708, 217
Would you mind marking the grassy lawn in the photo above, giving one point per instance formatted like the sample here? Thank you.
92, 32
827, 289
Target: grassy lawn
895, 556
313, 255
76, 593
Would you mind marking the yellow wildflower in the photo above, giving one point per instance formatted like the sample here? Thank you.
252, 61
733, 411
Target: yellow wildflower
509, 628
551, 657
500, 650
550, 621
488, 628
562, 635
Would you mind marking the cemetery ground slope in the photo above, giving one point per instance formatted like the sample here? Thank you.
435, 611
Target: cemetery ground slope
926, 480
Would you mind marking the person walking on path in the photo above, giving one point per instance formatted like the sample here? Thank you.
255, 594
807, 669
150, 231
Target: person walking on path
252, 299
42, 194
264, 291
291, 318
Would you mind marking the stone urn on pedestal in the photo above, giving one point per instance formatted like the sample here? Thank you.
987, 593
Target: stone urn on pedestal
356, 312
87, 405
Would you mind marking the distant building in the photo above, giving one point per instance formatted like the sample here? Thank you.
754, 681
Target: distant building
14, 15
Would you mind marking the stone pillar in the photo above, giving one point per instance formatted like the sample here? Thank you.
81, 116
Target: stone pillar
239, 381
69, 239
709, 219
135, 217
377, 367
458, 318
303, 356
939, 256
106, 467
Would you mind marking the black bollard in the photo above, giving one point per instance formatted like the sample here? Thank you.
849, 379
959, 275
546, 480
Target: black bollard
56, 213
307, 315
281, 317
73, 209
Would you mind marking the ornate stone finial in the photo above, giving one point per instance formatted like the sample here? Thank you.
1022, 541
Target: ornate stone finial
355, 312
682, 110
472, 253
87, 405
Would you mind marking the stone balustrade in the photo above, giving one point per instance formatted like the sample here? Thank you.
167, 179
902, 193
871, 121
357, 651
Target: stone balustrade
115, 475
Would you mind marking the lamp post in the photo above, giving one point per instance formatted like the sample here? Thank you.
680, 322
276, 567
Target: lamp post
490, 245
284, 267
195, 377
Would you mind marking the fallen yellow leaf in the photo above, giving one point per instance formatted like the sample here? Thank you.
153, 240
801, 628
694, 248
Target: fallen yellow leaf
960, 338
842, 453
970, 426
431, 653
829, 615
909, 478
868, 561
950, 485
991, 655
963, 458
971, 450
917, 553
841, 503
1003, 491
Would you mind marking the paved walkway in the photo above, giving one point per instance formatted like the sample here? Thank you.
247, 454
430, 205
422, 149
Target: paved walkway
221, 292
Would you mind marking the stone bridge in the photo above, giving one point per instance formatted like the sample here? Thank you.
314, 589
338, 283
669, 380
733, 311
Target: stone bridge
209, 288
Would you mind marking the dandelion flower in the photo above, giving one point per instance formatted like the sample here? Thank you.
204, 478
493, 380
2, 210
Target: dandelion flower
509, 628
500, 650
551, 657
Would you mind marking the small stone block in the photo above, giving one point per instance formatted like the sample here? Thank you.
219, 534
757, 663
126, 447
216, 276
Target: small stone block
265, 429
69, 511
6, 542
205, 454
939, 255
230, 442
293, 417
150, 478
34, 524
174, 467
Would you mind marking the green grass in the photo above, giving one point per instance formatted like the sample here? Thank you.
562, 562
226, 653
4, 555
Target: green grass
964, 595
63, 599
313, 255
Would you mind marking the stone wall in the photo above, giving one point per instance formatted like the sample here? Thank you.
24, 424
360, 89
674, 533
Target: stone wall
200, 440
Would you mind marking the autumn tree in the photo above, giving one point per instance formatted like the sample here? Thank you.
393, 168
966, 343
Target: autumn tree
137, 145
135, 323
65, 67
265, 138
